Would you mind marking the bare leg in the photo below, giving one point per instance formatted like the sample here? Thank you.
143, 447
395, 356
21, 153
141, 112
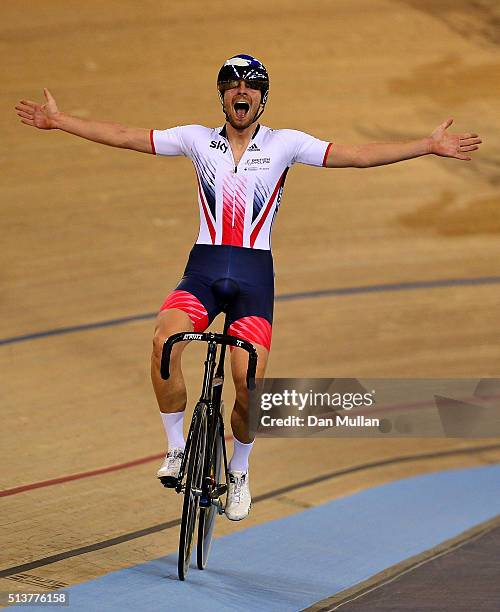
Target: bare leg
170, 394
239, 363
239, 499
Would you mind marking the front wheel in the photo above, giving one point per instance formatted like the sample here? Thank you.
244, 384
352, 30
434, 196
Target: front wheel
192, 489
206, 523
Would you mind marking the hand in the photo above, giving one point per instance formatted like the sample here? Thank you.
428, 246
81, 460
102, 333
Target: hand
452, 145
42, 116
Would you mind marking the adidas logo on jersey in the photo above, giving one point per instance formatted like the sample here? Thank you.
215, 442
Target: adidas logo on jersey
254, 147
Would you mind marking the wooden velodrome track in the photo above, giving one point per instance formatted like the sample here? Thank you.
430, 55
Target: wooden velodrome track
92, 234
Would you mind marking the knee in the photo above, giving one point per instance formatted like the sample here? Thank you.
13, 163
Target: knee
159, 338
158, 342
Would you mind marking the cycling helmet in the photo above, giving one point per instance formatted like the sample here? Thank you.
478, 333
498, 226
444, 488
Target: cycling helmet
243, 67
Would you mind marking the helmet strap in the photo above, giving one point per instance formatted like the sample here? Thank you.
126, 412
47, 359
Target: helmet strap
262, 108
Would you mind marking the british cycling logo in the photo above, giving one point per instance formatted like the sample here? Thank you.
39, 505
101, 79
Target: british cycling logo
218, 144
258, 161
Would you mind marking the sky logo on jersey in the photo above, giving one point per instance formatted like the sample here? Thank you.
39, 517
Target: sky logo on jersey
218, 144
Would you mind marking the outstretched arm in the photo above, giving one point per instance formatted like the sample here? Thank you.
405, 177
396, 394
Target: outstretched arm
440, 142
48, 117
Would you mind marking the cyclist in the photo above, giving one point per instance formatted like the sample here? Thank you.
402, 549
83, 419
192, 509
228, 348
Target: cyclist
241, 168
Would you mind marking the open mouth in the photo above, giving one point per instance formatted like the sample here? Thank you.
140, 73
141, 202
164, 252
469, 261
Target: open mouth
241, 109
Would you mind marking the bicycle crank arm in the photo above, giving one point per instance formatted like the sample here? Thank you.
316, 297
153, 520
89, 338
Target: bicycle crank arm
219, 490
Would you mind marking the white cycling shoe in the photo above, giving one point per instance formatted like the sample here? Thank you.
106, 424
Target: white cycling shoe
238, 496
169, 470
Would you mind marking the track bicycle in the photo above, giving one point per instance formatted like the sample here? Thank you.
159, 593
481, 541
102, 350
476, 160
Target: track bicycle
205, 461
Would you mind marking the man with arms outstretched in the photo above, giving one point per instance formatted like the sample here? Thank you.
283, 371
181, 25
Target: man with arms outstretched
241, 168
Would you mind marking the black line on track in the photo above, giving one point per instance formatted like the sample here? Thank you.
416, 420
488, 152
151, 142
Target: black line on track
9, 571
285, 297
90, 548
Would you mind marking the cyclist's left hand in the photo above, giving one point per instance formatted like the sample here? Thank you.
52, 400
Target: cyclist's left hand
453, 145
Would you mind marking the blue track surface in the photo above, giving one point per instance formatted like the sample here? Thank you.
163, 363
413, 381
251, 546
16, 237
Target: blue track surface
288, 564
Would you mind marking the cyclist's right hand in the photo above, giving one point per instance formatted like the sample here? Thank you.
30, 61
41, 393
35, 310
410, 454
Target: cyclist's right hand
42, 116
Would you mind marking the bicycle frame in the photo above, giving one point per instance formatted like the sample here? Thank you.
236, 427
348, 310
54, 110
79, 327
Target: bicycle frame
213, 380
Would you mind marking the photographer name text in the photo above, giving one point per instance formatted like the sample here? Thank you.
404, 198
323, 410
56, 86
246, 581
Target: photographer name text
314, 421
